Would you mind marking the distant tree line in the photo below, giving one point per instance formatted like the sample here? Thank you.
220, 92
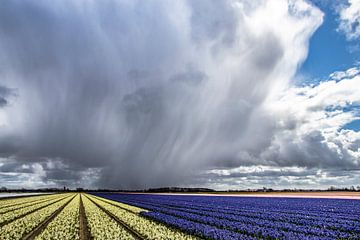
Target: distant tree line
352, 189
159, 190
31, 190
180, 190
330, 189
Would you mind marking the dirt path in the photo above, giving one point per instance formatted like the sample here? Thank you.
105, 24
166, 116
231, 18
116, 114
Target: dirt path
84, 230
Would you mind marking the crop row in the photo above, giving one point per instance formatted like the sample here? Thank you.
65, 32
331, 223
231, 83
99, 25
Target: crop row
254, 227
14, 207
283, 223
20, 227
302, 218
145, 227
9, 216
128, 207
304, 207
101, 225
326, 216
65, 225
198, 229
6, 203
344, 212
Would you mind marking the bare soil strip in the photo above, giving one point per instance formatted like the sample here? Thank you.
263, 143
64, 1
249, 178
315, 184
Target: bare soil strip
84, 230
34, 210
36, 231
123, 224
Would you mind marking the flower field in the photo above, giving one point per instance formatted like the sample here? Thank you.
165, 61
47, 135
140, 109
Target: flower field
149, 216
78, 216
222, 217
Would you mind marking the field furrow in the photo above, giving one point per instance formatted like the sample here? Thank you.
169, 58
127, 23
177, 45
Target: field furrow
83, 223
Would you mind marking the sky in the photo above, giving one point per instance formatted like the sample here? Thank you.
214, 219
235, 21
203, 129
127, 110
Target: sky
130, 94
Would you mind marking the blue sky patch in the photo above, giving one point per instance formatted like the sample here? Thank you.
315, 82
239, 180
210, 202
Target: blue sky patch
354, 125
329, 50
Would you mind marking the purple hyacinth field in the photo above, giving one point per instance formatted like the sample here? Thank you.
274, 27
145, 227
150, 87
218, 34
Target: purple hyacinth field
225, 217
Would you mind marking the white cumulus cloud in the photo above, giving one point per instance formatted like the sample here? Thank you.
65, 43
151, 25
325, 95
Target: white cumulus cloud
350, 19
309, 146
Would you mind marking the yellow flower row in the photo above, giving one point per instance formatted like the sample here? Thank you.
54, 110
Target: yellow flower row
147, 228
101, 225
16, 213
27, 202
64, 226
17, 201
22, 226
122, 205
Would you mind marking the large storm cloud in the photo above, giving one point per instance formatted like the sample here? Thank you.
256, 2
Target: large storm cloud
134, 94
